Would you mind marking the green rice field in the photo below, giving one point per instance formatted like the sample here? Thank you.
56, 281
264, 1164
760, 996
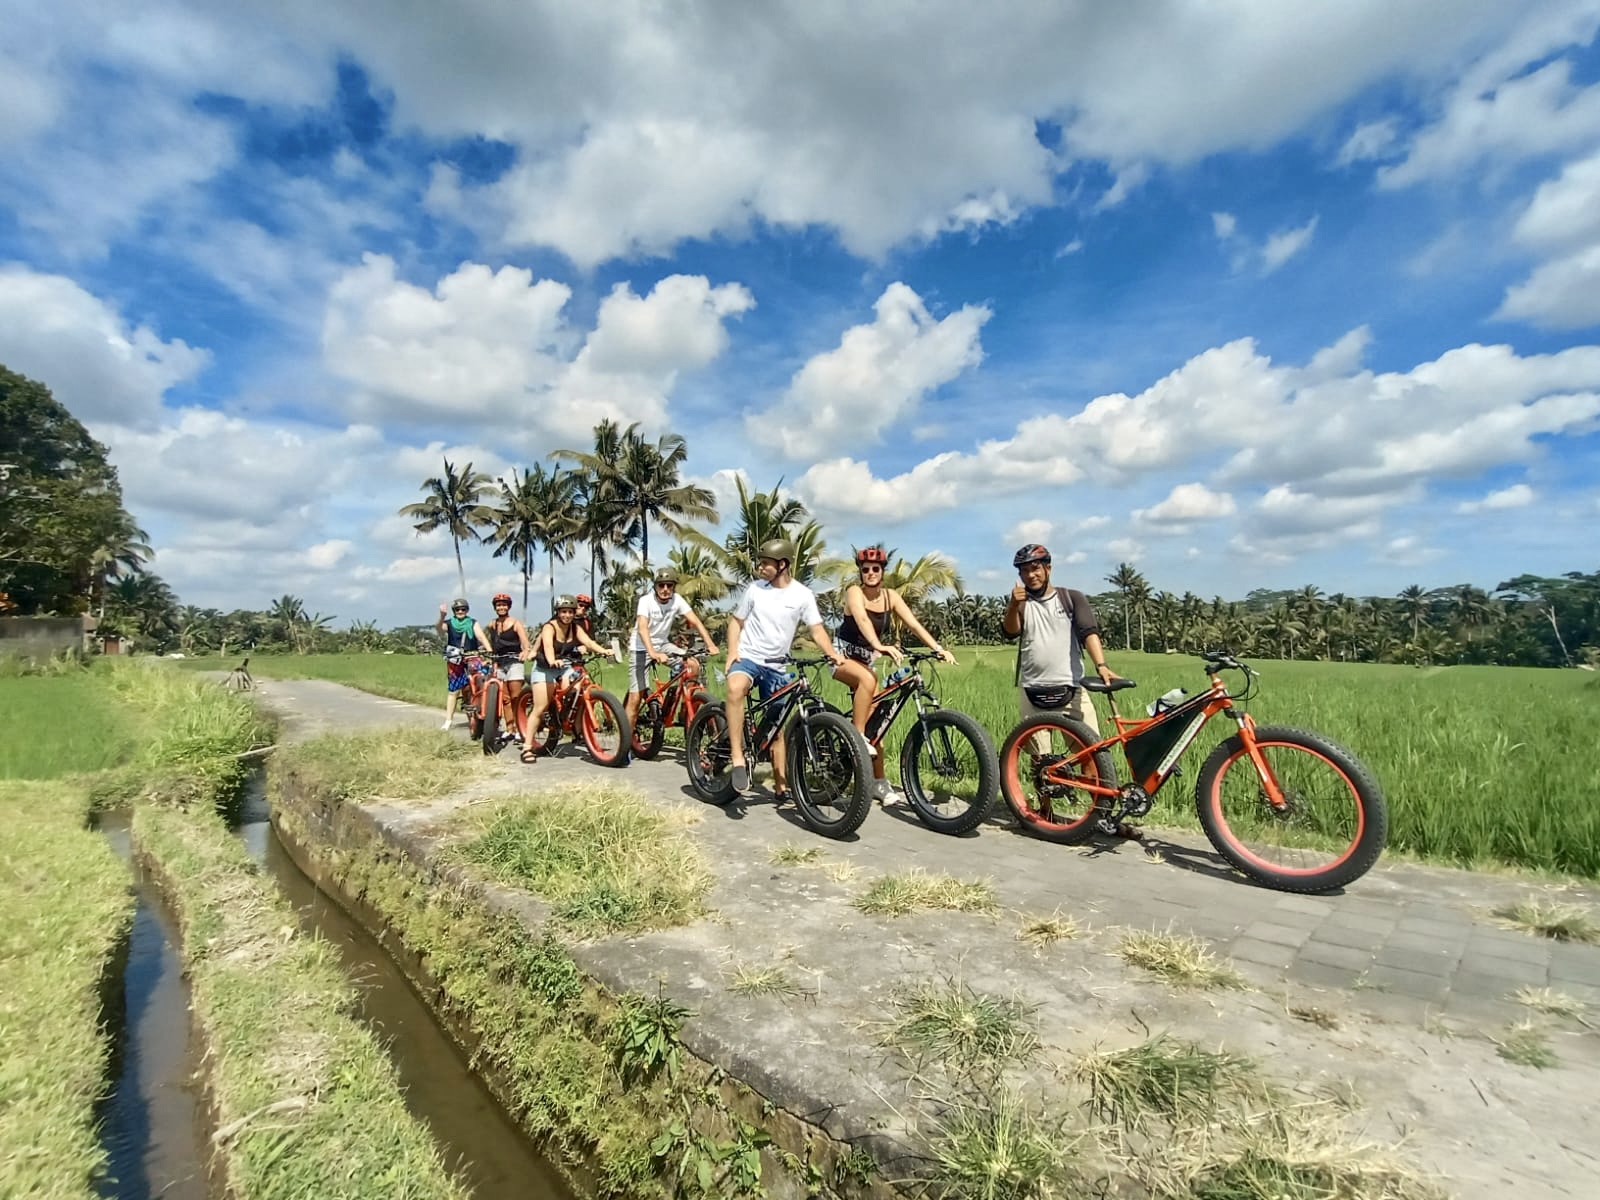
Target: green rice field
61, 725
1482, 766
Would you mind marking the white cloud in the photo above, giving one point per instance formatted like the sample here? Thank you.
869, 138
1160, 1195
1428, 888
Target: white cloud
1518, 495
1185, 504
328, 554
1562, 221
1034, 529
1224, 225
1285, 244
1125, 549
874, 378
484, 341
1371, 140
94, 361
414, 569
1408, 550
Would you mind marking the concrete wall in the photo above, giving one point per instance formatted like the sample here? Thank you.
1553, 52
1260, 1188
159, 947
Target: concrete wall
41, 637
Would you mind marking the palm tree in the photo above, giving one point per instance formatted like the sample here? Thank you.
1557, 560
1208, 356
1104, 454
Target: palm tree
604, 516
648, 488
1127, 580
451, 502
122, 551
1415, 605
516, 519
143, 604
699, 577
1281, 626
933, 572
763, 516
287, 612
553, 521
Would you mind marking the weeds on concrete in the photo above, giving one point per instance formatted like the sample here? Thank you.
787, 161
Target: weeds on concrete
899, 895
645, 1037
1526, 1045
396, 764
794, 856
1312, 1015
1561, 920
959, 1028
841, 872
1040, 932
992, 1144
769, 980
1179, 959
1163, 1076
606, 860
1550, 1000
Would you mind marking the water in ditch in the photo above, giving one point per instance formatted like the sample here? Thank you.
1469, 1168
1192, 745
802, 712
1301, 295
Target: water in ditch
488, 1151
150, 1124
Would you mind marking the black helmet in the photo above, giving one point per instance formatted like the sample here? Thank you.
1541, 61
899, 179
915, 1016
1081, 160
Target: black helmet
666, 574
1031, 553
777, 548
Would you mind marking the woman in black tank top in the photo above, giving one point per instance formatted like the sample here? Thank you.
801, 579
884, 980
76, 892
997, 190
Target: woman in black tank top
863, 635
560, 638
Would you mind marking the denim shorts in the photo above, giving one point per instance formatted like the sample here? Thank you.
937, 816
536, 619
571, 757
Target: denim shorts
767, 679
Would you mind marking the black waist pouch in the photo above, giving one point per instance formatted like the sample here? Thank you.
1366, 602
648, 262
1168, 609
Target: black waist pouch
1050, 695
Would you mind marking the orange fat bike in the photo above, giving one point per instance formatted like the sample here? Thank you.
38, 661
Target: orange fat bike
1289, 808
492, 716
673, 701
581, 708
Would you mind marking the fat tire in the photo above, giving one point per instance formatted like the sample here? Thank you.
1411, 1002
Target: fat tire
1064, 833
491, 717
827, 820
708, 777
474, 722
619, 715
1356, 861
649, 730
959, 724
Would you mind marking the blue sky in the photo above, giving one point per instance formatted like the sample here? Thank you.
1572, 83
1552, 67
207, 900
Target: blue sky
1249, 294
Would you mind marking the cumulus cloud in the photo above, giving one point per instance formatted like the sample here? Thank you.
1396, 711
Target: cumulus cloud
485, 340
97, 363
1330, 444
1370, 140
328, 554
1186, 504
1518, 495
874, 378
1561, 221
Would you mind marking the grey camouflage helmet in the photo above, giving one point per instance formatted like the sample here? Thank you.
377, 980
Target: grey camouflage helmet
666, 575
564, 602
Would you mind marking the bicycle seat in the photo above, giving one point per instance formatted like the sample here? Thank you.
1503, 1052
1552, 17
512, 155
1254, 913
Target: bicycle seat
1104, 688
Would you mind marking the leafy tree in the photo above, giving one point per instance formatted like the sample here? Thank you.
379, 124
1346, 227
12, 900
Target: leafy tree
453, 502
605, 517
142, 607
60, 504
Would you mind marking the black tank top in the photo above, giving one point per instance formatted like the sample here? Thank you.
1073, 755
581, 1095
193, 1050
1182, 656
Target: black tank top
564, 649
505, 639
850, 632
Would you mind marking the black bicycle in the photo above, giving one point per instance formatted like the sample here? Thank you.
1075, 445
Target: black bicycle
948, 766
829, 768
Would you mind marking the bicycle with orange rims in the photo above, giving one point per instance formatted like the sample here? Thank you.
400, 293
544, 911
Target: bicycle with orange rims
673, 701
1290, 808
580, 707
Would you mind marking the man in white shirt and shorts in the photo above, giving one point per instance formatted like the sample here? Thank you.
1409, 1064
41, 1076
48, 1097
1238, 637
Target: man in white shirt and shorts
652, 630
760, 633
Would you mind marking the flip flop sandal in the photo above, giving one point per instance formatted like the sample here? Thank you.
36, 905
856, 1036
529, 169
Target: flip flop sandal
529, 754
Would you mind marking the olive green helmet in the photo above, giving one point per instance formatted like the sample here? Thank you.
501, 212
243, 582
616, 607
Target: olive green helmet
666, 574
564, 602
778, 548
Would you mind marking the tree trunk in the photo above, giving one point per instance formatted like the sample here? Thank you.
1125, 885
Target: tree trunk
461, 572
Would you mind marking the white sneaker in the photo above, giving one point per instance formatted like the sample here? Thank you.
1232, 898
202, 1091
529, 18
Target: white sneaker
447, 725
882, 791
872, 751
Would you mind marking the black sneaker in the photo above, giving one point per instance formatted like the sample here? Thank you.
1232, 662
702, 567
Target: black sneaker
741, 778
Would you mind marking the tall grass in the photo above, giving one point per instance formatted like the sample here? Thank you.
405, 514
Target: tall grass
1481, 765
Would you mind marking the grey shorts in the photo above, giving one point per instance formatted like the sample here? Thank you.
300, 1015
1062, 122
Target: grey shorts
639, 670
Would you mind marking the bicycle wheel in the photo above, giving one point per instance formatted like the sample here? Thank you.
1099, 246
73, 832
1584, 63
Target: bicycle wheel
474, 722
950, 771
491, 717
830, 773
605, 728
648, 730
1055, 812
1330, 830
706, 753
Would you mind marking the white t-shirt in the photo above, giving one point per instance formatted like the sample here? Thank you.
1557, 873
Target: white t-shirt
659, 617
771, 615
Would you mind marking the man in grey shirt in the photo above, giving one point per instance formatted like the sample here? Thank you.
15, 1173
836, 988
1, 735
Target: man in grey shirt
1057, 627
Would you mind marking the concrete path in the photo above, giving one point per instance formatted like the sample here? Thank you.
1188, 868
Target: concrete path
1409, 976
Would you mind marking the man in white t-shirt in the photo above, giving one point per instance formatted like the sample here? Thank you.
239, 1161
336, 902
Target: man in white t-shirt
652, 630
760, 633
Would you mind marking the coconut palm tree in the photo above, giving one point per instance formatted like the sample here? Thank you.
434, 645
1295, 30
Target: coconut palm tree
1128, 581
1415, 605
649, 488
516, 521
604, 516
553, 519
763, 516
699, 576
452, 501
122, 551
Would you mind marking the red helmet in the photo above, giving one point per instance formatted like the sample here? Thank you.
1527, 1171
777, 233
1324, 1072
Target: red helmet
872, 555
1031, 553
501, 598
585, 598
